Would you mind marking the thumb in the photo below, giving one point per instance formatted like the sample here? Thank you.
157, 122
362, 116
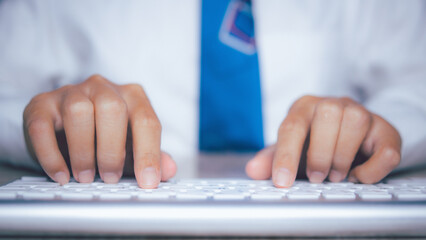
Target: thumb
168, 166
260, 167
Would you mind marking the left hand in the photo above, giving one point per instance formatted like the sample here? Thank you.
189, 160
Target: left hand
337, 129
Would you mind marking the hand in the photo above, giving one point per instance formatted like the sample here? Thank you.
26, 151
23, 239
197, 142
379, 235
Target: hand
95, 116
335, 129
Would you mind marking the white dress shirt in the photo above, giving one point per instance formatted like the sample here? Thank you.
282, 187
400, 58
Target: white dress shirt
371, 50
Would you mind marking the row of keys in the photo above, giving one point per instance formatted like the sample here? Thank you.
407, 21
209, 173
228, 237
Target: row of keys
200, 195
213, 189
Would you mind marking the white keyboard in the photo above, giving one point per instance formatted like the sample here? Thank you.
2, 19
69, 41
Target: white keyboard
38, 188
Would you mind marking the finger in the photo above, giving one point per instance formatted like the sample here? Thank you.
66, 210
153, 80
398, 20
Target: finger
168, 167
111, 121
384, 142
79, 125
324, 132
146, 132
260, 167
291, 138
40, 128
356, 122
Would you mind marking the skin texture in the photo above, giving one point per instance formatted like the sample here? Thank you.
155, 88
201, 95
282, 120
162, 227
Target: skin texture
98, 118
336, 130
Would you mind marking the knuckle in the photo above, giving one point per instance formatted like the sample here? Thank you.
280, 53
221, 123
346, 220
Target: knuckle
302, 101
115, 106
65, 89
146, 119
150, 121
45, 100
97, 79
41, 97
391, 156
37, 125
293, 124
357, 114
37, 101
134, 89
329, 109
306, 98
78, 108
347, 100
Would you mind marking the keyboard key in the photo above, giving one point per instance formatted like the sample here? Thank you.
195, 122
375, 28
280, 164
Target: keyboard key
8, 195
363, 187
191, 196
115, 196
340, 184
45, 187
14, 188
153, 196
21, 183
38, 195
78, 185
339, 195
230, 195
267, 196
111, 187
399, 181
303, 195
33, 179
374, 195
410, 195
76, 196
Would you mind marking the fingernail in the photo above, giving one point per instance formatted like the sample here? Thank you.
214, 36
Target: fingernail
316, 177
86, 176
61, 178
282, 177
335, 176
149, 177
111, 177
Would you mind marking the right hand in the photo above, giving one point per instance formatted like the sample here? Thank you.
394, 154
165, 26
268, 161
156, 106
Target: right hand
95, 116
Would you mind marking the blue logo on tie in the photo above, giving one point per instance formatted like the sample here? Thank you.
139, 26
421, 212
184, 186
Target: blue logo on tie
237, 27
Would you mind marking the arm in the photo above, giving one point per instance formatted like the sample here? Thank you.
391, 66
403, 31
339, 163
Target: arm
390, 70
34, 67
23, 47
385, 49
12, 144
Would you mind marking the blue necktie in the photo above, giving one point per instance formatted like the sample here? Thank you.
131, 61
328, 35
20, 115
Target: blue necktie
230, 96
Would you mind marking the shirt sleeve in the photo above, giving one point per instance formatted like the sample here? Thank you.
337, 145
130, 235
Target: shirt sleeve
386, 44
27, 67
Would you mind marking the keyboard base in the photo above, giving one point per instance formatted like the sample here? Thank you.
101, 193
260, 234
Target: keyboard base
226, 218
